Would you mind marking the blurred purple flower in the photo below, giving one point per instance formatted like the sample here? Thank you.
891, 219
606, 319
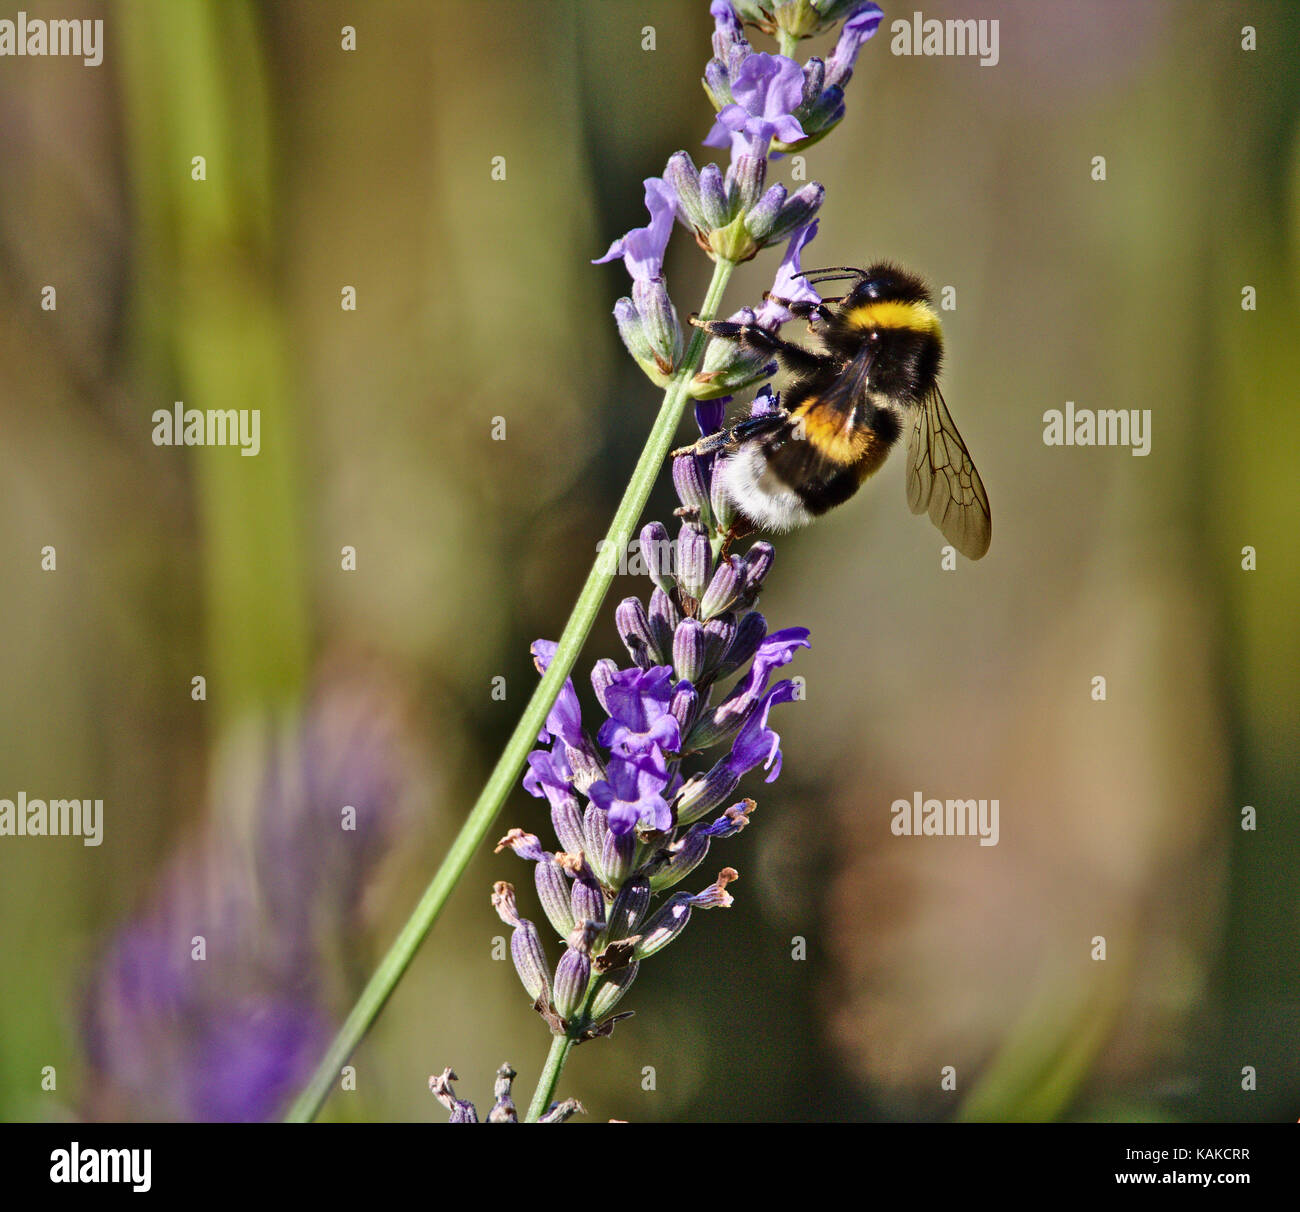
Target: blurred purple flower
216, 1001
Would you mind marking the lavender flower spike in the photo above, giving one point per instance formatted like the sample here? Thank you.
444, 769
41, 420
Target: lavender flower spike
637, 835
640, 806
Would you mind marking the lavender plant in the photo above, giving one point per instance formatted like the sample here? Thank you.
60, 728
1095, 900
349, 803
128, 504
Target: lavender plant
634, 808
647, 823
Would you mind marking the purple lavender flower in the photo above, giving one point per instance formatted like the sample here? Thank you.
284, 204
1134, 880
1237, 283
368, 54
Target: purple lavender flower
565, 718
647, 321
856, 30
819, 106
642, 249
756, 742
640, 720
765, 93
789, 283
728, 365
633, 793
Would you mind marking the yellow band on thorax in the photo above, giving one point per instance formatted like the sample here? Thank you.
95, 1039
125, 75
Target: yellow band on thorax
919, 317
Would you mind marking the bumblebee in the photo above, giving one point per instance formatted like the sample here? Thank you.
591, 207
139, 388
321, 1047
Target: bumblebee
875, 375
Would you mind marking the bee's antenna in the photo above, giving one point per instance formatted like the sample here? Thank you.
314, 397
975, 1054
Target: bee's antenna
832, 273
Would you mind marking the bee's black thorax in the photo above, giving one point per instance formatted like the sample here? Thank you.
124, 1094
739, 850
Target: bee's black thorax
905, 362
890, 317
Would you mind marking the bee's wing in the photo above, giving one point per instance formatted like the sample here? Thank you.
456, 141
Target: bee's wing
942, 478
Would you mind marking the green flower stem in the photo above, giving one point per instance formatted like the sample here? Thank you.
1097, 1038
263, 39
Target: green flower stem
502, 780
787, 44
561, 1046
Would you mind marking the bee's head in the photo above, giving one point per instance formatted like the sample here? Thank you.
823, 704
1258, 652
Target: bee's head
885, 283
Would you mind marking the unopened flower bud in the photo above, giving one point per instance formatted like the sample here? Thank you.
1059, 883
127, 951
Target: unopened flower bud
757, 564
684, 855
726, 583
553, 892
525, 944
657, 552
611, 989
636, 337
689, 650
628, 909
798, 211
587, 902
659, 318
724, 510
717, 84
694, 560
703, 793
713, 197
748, 174
616, 856
719, 633
692, 487
762, 218
750, 633
634, 629
684, 705
573, 972
664, 618
684, 178
814, 79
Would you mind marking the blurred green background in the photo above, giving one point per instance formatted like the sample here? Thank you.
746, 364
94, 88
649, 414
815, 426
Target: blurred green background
371, 168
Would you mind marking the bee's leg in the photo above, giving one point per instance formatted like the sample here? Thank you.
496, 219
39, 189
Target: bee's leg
742, 431
803, 309
737, 530
793, 357
759, 426
710, 444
